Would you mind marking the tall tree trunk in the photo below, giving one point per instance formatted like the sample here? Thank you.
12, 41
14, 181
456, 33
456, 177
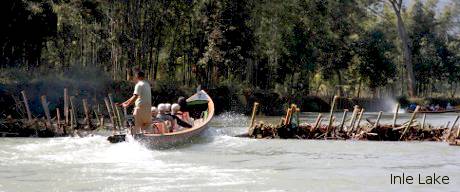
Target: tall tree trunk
397, 7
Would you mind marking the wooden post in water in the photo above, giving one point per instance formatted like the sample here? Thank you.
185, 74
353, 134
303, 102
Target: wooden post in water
359, 118
353, 117
343, 119
423, 121
86, 110
253, 118
73, 113
107, 105
97, 118
317, 122
458, 132
71, 119
58, 116
253, 115
331, 114
395, 117
112, 105
378, 119
26, 103
455, 122
410, 121
288, 116
47, 111
120, 122
452, 128
66, 106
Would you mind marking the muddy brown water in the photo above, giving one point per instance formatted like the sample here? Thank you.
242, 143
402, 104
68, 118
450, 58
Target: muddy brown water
220, 162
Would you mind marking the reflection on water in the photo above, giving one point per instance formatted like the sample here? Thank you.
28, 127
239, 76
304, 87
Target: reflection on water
221, 162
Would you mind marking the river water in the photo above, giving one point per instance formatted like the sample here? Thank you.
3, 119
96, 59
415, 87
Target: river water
220, 162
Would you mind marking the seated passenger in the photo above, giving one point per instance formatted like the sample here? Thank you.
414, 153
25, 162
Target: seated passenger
168, 108
154, 112
165, 117
449, 107
158, 125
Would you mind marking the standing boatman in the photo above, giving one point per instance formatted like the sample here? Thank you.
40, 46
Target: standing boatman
142, 99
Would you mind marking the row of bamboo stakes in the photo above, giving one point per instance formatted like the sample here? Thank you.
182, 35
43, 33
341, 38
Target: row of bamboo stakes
117, 118
355, 120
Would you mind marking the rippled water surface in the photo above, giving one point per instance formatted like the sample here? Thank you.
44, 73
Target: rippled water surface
220, 162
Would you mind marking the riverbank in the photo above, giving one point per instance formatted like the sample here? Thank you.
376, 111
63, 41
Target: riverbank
94, 85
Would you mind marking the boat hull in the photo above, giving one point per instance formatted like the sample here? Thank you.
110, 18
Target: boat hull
168, 140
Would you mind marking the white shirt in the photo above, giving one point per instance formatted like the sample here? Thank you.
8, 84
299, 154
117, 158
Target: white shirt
144, 94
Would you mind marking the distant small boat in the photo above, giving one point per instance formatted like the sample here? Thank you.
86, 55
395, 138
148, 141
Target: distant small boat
200, 100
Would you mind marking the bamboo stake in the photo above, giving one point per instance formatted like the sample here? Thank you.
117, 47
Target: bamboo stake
47, 111
395, 117
66, 106
458, 132
343, 119
71, 119
329, 126
423, 121
353, 116
455, 122
410, 121
253, 116
112, 105
288, 116
359, 118
107, 105
452, 128
73, 110
58, 116
120, 122
86, 110
26, 103
102, 121
317, 122
378, 119
97, 118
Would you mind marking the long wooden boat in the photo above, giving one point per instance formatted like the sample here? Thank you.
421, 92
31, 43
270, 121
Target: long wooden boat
440, 111
168, 140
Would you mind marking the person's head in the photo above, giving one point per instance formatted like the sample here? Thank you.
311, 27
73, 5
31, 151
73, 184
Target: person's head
154, 111
182, 101
139, 75
175, 108
168, 107
162, 108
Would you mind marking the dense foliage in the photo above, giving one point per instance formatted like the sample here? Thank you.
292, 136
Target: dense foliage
320, 47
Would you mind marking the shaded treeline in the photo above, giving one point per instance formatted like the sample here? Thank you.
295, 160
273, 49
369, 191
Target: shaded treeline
352, 48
